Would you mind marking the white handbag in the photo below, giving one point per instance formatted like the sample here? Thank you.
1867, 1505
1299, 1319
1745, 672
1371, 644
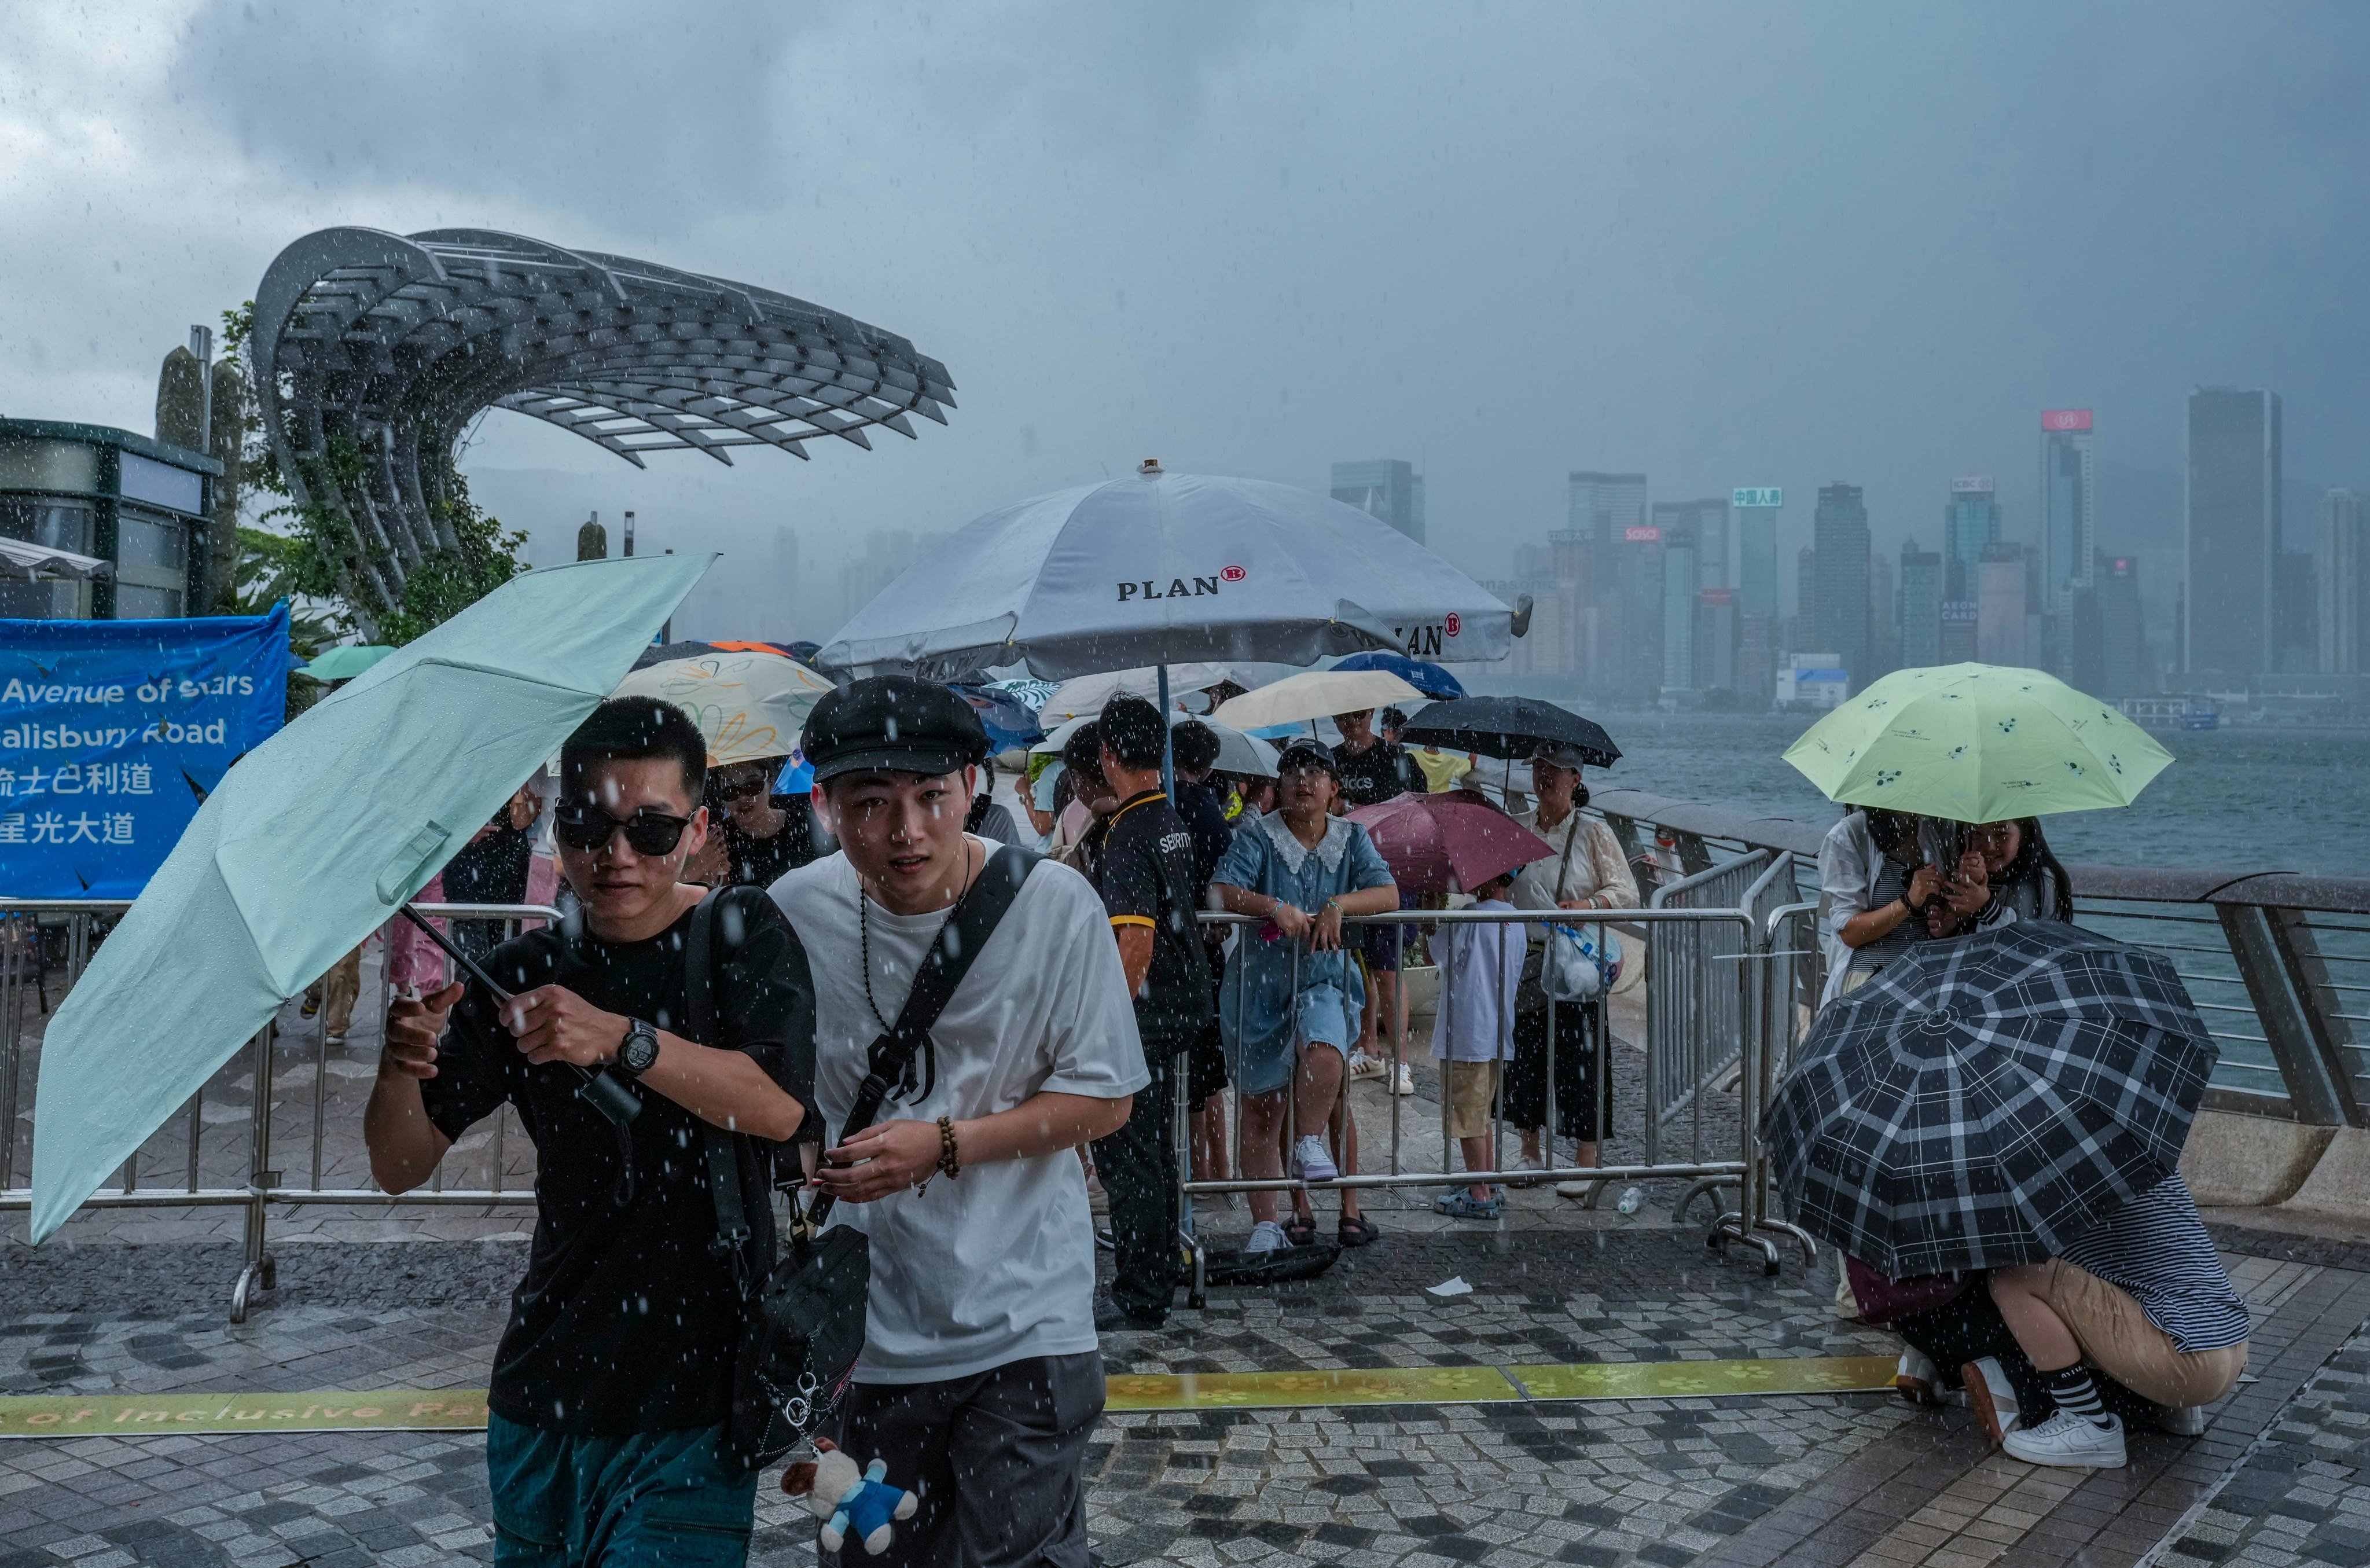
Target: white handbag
1576, 965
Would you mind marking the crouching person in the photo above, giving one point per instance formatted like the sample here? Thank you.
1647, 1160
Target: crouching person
2142, 1297
980, 1381
613, 1380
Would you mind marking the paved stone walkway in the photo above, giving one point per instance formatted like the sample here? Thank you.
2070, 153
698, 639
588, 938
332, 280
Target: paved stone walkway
1732, 1481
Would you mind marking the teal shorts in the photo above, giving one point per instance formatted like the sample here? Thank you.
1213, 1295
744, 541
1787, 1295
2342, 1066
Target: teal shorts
653, 1498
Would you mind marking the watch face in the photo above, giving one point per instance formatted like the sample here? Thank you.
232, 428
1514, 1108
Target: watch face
641, 1049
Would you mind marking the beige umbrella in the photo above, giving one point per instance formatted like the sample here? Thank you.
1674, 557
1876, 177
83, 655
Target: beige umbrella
1319, 693
749, 705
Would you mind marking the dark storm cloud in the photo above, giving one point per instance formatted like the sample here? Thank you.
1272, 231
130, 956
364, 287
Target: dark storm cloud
1724, 244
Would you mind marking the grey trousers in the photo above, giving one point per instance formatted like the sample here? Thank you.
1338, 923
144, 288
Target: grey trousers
994, 1462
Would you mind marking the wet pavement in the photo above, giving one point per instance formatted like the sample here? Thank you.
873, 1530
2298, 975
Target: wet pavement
2281, 1477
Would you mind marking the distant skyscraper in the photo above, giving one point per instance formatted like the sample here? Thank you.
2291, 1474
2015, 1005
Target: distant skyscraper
1605, 506
1806, 600
2345, 584
2234, 482
1921, 607
2295, 615
1839, 612
1706, 522
1971, 524
1715, 633
1389, 488
2070, 509
1679, 592
2122, 657
2000, 607
1884, 621
1756, 560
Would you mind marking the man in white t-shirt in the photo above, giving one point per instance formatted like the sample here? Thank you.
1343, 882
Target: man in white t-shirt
980, 1381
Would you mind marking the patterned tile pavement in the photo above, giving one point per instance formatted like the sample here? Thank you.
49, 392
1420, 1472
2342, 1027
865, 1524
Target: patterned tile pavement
1812, 1479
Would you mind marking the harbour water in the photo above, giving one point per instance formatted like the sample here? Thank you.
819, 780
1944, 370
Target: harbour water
2245, 799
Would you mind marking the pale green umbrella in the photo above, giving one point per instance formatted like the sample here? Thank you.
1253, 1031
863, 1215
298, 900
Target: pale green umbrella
344, 663
313, 840
1977, 742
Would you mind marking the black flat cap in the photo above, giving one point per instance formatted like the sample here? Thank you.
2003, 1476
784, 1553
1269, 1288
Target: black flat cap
893, 722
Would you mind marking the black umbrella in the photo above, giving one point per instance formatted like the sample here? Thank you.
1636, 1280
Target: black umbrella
1512, 727
1984, 1101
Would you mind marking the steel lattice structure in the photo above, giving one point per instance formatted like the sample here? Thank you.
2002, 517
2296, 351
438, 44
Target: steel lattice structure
394, 343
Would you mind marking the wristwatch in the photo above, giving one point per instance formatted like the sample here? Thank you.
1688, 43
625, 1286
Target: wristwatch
640, 1050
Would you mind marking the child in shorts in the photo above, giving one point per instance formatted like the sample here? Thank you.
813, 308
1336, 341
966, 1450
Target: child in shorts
1473, 1032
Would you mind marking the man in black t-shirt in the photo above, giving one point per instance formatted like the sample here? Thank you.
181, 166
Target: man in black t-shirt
613, 1380
1373, 771
1143, 862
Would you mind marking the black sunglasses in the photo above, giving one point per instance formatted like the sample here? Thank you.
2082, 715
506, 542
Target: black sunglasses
589, 827
741, 789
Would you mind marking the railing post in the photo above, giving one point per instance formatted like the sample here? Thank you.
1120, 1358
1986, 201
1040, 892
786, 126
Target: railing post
258, 1273
2318, 1087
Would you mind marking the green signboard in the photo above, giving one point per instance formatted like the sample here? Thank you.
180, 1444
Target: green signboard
1767, 496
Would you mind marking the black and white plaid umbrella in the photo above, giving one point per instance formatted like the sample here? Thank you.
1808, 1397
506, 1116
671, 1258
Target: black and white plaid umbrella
1982, 1101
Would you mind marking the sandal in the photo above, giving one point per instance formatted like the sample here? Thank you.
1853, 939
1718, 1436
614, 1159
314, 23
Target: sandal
1356, 1231
1464, 1205
1299, 1231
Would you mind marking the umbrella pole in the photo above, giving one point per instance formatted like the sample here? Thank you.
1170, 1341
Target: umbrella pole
1168, 741
613, 1099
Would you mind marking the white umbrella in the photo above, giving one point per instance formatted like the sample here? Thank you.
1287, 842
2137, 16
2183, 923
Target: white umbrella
750, 705
1317, 694
1163, 569
27, 562
1238, 753
1085, 695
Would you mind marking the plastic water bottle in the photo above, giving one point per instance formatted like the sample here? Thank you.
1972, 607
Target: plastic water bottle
1631, 1198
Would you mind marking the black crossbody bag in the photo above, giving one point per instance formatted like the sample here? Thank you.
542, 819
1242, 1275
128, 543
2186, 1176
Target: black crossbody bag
802, 1316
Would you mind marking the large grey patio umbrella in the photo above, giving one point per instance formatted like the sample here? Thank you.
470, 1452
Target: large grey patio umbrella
1160, 569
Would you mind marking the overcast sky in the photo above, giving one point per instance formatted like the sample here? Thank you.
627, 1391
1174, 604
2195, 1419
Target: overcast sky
1748, 244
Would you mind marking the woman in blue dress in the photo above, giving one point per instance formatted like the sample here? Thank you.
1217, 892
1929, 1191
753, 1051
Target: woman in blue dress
1291, 1000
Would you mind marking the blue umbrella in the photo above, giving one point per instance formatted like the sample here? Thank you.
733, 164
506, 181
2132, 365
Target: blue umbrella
1429, 679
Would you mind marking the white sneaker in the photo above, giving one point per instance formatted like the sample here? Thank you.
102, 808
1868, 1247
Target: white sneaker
1917, 1378
2181, 1421
1991, 1396
2075, 1442
1406, 1080
1267, 1236
1362, 1066
1310, 1162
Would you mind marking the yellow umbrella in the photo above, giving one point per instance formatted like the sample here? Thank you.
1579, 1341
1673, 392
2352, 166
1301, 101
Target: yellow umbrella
750, 705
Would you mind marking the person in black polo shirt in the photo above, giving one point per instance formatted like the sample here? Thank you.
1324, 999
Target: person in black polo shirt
613, 1381
1374, 770
1144, 864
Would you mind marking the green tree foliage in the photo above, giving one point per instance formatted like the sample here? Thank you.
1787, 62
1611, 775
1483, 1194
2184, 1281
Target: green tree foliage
322, 558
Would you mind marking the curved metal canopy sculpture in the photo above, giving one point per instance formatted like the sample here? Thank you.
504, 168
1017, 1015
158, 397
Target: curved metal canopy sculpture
375, 351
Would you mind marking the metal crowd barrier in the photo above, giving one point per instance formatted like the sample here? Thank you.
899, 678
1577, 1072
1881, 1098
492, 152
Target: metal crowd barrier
1708, 983
256, 1181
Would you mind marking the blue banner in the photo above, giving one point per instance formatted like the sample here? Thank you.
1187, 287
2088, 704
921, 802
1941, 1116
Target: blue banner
112, 733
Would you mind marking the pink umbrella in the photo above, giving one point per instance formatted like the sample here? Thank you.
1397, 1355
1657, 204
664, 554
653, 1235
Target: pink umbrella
1448, 843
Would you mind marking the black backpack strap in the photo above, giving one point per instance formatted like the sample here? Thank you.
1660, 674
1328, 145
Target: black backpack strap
699, 1025
966, 932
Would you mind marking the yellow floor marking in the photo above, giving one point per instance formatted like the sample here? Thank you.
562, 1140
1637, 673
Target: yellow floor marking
464, 1410
1683, 1379
1272, 1391
116, 1415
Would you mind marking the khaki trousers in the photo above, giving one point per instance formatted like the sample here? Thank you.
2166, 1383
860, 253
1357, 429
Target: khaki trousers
2117, 1338
337, 991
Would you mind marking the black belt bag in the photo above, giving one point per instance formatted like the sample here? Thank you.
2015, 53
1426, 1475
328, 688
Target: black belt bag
802, 1317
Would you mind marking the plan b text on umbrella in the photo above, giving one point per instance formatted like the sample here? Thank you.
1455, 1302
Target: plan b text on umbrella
1179, 587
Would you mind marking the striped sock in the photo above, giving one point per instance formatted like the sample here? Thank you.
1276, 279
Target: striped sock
2072, 1391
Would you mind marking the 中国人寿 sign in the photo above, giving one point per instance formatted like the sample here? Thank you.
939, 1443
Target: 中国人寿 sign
112, 733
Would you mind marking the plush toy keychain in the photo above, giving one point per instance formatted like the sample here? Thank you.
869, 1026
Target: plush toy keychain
847, 1500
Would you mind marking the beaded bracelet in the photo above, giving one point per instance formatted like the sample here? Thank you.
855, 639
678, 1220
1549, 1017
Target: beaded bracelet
950, 1157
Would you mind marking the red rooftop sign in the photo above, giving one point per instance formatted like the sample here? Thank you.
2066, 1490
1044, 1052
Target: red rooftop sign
2065, 418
